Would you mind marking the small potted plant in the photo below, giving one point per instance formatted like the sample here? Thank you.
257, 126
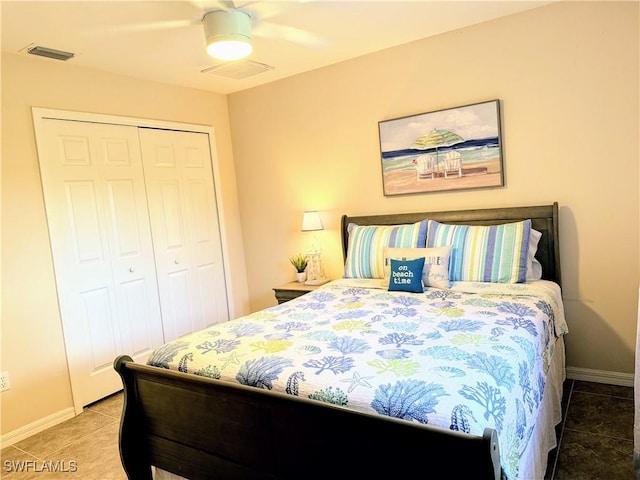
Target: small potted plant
299, 261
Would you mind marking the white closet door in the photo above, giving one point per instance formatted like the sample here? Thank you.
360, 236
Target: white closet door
186, 232
102, 250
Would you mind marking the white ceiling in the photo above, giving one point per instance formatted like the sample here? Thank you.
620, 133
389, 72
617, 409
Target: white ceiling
164, 40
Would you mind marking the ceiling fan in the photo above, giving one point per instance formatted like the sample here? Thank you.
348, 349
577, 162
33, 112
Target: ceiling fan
230, 25
239, 21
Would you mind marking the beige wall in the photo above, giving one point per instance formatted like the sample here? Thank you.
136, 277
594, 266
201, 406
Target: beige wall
567, 76
32, 348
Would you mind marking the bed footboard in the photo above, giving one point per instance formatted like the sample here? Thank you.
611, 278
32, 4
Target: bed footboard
198, 427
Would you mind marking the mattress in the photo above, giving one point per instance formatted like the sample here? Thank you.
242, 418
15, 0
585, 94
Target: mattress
473, 356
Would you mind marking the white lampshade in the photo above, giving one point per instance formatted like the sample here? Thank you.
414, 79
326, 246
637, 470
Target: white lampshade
228, 34
311, 221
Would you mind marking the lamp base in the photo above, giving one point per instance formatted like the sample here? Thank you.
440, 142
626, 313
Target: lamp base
317, 281
315, 272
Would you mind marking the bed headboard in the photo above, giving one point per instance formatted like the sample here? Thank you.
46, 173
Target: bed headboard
544, 218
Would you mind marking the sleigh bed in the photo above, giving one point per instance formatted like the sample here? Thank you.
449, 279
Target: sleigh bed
362, 379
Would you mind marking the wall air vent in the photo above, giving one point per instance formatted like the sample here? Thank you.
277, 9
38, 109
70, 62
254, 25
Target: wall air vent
239, 69
50, 53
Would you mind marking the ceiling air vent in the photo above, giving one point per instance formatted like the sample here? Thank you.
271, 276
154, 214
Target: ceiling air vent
239, 69
50, 53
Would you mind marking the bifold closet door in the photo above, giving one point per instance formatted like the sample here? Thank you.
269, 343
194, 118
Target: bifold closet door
102, 250
186, 232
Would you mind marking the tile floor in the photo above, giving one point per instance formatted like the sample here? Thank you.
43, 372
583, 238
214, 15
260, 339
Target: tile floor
90, 440
596, 440
596, 435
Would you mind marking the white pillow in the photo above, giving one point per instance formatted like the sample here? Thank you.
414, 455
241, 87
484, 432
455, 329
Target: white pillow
534, 268
435, 272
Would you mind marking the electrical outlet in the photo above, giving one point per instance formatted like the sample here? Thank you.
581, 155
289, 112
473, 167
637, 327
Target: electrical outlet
4, 381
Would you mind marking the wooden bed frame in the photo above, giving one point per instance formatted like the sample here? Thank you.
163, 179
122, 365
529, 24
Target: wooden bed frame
201, 428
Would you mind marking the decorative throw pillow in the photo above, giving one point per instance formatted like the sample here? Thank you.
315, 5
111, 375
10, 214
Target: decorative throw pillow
534, 267
365, 250
484, 253
406, 275
436, 263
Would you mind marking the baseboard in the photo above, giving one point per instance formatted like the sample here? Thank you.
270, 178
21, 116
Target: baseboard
36, 427
600, 376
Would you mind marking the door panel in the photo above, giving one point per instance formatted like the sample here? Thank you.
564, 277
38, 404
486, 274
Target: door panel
208, 295
100, 237
184, 222
84, 224
171, 254
177, 308
170, 222
135, 323
123, 219
100, 323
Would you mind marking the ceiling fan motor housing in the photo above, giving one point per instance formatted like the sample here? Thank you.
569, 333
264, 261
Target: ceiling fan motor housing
230, 24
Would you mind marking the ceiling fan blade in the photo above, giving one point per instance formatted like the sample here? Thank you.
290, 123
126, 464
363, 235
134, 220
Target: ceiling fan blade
290, 34
263, 10
211, 5
151, 26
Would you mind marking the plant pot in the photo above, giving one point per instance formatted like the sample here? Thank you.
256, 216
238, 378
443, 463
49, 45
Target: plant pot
301, 276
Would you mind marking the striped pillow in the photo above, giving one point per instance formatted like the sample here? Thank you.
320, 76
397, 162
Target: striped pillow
365, 250
484, 253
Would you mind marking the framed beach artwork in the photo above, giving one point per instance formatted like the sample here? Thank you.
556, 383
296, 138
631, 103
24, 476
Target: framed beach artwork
452, 149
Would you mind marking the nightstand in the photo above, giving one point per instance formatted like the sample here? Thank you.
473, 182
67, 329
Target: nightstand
292, 290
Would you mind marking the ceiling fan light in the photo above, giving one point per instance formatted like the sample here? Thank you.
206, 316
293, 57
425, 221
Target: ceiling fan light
229, 49
228, 34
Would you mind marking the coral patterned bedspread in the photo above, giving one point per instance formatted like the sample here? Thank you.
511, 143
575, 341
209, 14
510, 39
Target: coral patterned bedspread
470, 357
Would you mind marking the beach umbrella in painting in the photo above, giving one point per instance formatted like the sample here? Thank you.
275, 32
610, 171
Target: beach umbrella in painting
437, 138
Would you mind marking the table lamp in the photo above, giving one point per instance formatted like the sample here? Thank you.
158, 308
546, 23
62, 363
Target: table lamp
311, 222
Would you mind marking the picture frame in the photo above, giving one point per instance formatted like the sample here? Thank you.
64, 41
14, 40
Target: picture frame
452, 149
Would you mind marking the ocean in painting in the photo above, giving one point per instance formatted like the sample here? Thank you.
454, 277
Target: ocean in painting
472, 151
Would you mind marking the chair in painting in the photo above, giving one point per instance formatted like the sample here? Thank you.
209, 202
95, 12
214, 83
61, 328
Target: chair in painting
452, 164
425, 166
